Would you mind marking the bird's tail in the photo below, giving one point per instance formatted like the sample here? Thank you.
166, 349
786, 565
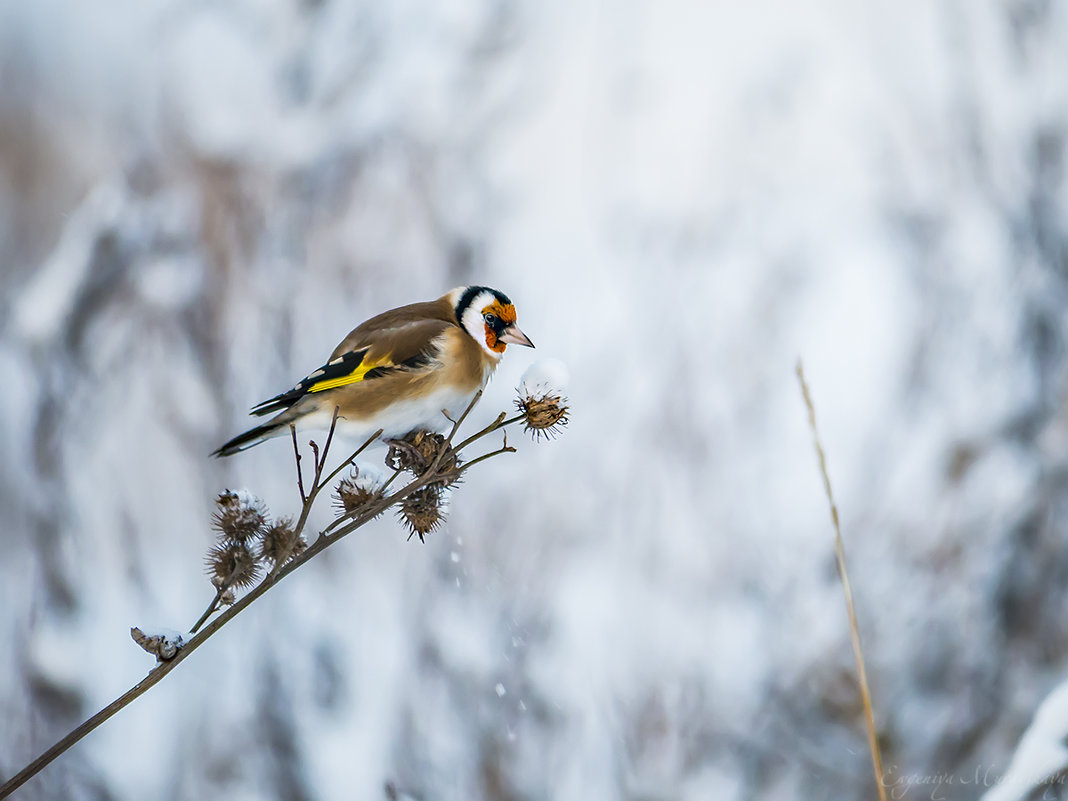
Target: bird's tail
254, 436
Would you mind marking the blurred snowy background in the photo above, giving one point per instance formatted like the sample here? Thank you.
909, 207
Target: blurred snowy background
198, 200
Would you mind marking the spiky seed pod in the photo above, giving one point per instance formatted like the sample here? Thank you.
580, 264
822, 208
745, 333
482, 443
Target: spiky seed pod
240, 516
355, 492
417, 451
543, 398
543, 415
232, 564
424, 510
281, 542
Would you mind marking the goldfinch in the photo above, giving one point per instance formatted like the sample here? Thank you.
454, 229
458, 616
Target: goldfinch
400, 371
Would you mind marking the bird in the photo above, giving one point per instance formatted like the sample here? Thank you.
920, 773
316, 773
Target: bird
410, 368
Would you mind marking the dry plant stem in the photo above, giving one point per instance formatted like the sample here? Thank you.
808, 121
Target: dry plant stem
280, 571
843, 574
211, 607
456, 427
350, 460
306, 500
505, 448
297, 457
391, 479
502, 421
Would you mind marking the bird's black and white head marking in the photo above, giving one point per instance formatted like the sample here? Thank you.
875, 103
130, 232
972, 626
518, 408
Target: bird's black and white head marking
484, 313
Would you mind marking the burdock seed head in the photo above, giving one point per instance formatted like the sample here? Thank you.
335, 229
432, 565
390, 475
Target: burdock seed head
417, 451
542, 398
424, 510
232, 564
281, 542
544, 415
240, 516
357, 490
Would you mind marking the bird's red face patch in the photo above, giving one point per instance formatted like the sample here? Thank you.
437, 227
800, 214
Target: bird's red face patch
497, 317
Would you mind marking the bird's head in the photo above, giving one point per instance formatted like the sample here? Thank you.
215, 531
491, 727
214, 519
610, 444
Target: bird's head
489, 317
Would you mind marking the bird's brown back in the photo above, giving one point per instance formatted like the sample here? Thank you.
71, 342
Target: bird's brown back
406, 327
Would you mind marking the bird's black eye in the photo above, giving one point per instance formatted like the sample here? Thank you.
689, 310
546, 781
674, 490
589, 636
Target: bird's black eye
491, 319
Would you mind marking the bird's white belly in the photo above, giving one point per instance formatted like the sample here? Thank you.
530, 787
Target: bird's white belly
399, 418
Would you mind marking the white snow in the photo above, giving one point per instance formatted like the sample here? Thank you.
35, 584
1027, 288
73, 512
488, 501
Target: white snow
164, 643
53, 655
222, 85
248, 499
46, 303
545, 377
171, 636
369, 477
1041, 754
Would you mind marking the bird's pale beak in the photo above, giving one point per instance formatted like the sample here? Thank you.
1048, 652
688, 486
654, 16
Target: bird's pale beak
513, 336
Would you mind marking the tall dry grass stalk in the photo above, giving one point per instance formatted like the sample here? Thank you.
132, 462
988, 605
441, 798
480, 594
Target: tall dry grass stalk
843, 574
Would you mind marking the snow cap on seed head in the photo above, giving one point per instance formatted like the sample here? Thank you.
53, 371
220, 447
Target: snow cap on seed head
545, 377
543, 397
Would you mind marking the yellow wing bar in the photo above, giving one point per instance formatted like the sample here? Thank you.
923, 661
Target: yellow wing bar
358, 374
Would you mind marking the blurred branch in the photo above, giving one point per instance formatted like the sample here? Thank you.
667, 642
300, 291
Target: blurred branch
843, 575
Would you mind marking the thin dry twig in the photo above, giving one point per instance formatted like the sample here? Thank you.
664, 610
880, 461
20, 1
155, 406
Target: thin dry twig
501, 421
351, 459
505, 448
456, 427
214, 605
843, 574
297, 457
